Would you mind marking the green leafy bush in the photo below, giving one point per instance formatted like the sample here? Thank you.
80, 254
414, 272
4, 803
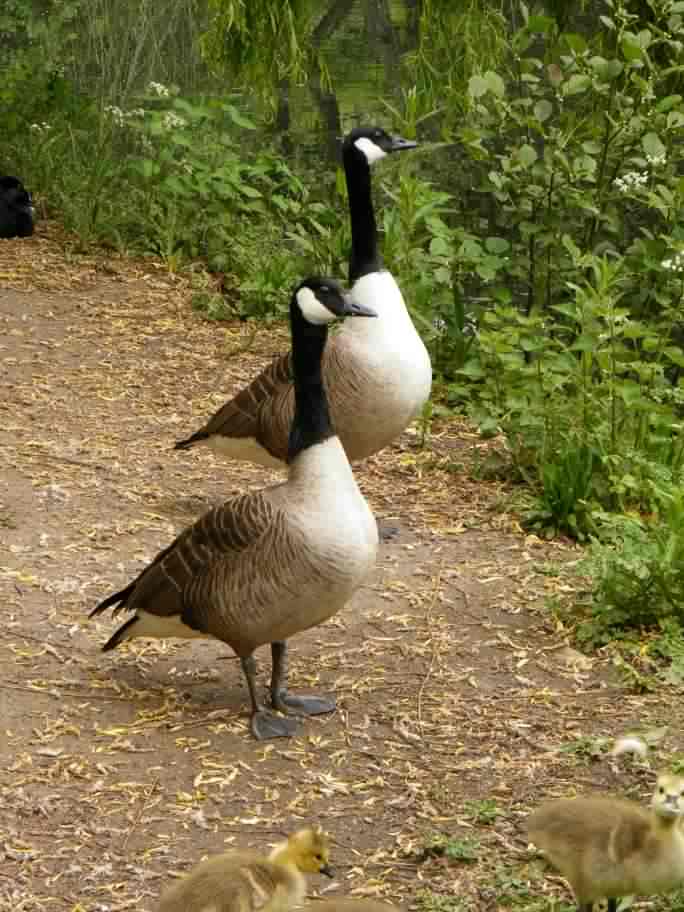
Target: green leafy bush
637, 569
578, 354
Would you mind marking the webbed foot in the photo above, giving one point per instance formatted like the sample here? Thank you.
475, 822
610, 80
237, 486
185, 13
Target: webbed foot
306, 706
265, 725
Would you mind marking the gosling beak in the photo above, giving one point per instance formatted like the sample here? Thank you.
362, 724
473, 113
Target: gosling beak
327, 870
352, 308
399, 144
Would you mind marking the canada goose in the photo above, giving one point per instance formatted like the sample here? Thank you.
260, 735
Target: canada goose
243, 881
16, 209
269, 563
377, 375
608, 848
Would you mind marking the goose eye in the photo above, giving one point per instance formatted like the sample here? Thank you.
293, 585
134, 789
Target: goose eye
661, 790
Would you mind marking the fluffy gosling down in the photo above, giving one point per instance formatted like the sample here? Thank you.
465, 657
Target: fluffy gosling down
343, 904
244, 881
270, 563
607, 848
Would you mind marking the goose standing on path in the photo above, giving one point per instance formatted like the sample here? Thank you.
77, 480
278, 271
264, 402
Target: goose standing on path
377, 374
268, 564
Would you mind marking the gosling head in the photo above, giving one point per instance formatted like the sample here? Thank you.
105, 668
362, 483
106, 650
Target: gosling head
308, 850
668, 798
320, 300
375, 143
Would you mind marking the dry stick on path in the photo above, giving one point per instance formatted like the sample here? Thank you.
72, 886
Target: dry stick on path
138, 817
428, 617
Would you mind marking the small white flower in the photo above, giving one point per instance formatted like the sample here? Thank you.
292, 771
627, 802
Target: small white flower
170, 121
675, 264
116, 114
156, 88
439, 324
656, 160
40, 127
632, 180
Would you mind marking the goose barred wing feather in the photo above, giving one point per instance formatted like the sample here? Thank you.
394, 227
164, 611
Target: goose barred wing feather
263, 410
179, 572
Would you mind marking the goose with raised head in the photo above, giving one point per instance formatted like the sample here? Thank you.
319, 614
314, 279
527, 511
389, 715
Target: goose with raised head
608, 848
377, 375
268, 564
246, 881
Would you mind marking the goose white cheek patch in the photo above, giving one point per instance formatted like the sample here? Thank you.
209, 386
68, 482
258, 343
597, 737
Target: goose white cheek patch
312, 309
372, 152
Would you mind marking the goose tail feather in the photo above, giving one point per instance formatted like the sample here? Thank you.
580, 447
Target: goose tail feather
190, 441
121, 634
118, 598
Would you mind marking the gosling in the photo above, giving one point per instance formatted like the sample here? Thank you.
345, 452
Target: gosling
350, 905
607, 848
245, 881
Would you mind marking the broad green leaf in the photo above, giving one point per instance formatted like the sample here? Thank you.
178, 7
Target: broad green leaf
652, 145
250, 192
239, 119
527, 155
576, 84
543, 24
477, 86
439, 247
497, 245
631, 48
575, 42
543, 110
495, 83
665, 104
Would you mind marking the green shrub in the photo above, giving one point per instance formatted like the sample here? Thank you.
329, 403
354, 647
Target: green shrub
637, 569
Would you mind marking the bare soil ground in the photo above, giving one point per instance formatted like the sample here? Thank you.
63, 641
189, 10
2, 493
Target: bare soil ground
460, 703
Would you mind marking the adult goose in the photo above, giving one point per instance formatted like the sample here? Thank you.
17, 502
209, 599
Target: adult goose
269, 563
377, 373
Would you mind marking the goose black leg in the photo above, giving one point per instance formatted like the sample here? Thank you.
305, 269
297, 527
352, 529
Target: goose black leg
612, 905
285, 702
263, 723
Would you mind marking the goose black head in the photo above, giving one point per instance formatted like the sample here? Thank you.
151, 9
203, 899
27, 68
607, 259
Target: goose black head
16, 209
321, 300
375, 143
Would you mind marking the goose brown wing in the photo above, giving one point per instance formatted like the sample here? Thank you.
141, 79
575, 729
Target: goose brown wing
262, 410
219, 536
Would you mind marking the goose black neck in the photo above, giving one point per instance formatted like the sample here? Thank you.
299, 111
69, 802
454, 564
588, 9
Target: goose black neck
311, 423
364, 253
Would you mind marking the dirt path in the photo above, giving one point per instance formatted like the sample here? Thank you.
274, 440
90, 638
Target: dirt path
457, 708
